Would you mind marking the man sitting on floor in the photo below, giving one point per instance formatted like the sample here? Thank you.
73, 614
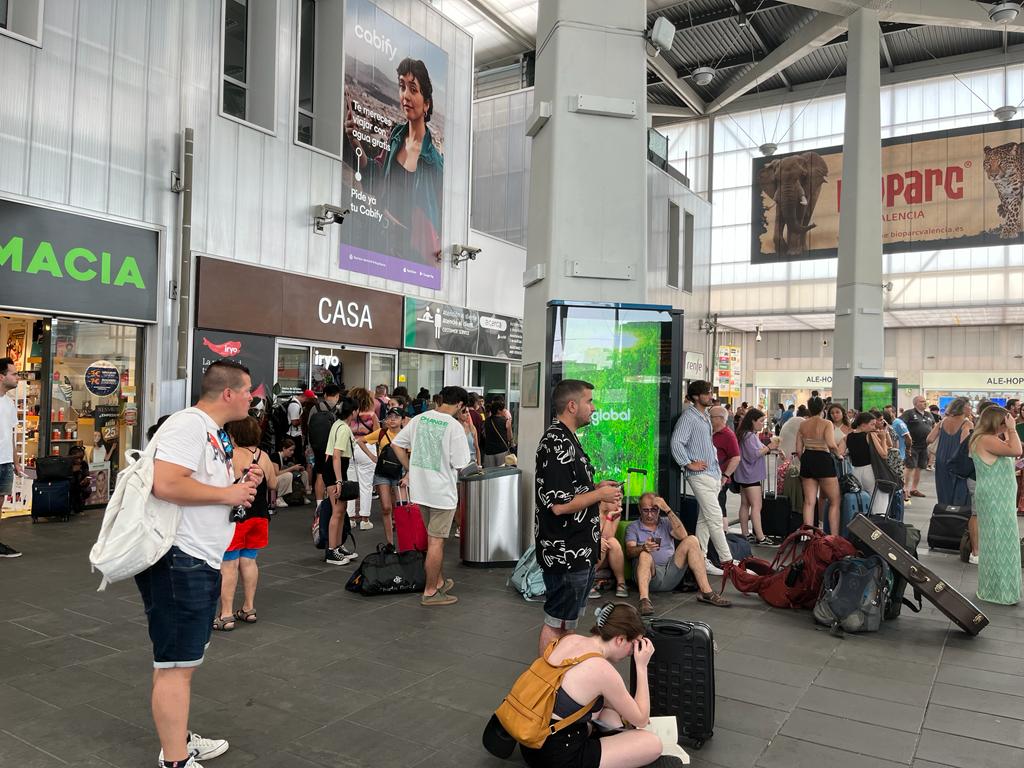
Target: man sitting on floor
658, 566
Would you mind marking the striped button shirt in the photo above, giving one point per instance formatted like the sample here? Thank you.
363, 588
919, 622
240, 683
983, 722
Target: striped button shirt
691, 441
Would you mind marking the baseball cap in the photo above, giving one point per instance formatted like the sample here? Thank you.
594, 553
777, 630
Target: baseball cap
309, 393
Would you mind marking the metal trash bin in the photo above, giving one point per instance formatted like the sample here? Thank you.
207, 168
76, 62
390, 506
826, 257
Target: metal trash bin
491, 520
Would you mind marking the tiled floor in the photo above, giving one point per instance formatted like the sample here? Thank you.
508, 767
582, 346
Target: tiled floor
327, 678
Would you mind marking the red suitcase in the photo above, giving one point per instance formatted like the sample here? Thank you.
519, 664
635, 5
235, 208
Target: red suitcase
410, 532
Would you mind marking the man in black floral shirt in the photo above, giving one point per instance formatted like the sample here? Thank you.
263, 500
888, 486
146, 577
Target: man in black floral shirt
567, 527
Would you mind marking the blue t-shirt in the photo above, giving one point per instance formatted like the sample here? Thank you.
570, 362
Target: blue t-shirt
901, 430
637, 534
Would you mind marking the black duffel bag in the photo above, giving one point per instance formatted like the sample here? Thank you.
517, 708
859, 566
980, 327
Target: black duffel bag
387, 572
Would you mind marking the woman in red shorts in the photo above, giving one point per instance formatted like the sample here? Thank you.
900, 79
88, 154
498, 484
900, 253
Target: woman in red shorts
251, 534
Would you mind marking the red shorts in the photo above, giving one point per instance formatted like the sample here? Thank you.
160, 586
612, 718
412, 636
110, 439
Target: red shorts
251, 534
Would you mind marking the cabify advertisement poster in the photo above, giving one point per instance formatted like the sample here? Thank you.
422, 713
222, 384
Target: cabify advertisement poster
624, 354
393, 153
944, 189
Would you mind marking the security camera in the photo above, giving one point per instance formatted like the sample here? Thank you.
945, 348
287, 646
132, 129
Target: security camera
328, 214
461, 253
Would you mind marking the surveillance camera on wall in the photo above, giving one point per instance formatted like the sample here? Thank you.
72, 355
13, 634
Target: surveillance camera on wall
461, 253
328, 214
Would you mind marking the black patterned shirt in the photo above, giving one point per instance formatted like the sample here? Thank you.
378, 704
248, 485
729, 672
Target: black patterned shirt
565, 542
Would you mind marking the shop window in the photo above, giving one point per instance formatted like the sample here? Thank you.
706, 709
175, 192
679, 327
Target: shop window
293, 369
382, 370
22, 20
249, 56
318, 108
94, 397
421, 370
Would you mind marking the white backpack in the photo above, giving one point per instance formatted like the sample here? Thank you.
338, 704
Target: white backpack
138, 528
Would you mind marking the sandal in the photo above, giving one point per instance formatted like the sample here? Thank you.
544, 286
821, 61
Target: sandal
224, 623
713, 598
246, 617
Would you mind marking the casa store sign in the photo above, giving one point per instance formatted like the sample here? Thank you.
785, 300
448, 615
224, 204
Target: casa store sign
239, 297
63, 263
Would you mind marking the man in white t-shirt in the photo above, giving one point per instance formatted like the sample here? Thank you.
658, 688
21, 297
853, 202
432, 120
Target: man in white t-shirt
8, 421
433, 448
192, 467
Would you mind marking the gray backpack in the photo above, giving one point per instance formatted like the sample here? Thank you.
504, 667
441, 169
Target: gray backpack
853, 595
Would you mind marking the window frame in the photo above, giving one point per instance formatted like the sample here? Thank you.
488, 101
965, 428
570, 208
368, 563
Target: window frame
300, 110
35, 42
248, 85
296, 110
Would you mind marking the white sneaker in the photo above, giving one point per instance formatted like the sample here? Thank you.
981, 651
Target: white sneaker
201, 749
973, 559
712, 569
280, 503
365, 525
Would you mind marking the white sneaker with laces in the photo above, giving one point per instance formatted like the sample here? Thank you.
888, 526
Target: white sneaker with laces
712, 569
365, 525
201, 749
973, 559
280, 503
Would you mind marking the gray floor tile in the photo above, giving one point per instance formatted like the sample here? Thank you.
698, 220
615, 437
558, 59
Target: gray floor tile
370, 676
839, 733
862, 658
774, 671
976, 725
961, 752
785, 752
981, 659
423, 722
70, 686
731, 748
344, 743
16, 752
875, 687
64, 651
17, 707
69, 735
750, 719
863, 709
975, 700
980, 679
761, 692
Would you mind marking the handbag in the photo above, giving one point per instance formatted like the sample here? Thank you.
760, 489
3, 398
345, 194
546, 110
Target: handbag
388, 464
387, 572
848, 483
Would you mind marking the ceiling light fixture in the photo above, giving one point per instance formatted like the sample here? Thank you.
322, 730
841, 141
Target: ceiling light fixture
1005, 12
703, 75
768, 148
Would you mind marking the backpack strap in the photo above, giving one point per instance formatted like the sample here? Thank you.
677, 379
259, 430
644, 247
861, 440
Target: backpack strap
565, 722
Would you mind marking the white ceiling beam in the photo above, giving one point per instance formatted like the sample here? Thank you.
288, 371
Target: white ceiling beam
664, 110
679, 87
938, 13
507, 28
811, 36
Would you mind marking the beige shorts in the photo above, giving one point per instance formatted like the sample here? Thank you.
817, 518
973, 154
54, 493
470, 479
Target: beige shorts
438, 521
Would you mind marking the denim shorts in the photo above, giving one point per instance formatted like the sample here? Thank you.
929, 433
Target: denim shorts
381, 480
180, 593
566, 597
6, 479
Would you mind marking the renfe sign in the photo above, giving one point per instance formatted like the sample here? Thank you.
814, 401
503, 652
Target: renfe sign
943, 189
51, 261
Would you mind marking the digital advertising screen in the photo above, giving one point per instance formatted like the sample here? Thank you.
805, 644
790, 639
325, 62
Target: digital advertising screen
873, 393
393, 151
626, 355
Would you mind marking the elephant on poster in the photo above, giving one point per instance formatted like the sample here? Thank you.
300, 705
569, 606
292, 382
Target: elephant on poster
793, 183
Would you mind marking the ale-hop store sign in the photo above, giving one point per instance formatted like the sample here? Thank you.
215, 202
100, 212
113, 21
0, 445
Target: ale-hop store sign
939, 190
973, 381
57, 262
433, 326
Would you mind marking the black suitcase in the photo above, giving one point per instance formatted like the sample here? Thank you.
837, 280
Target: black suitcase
51, 498
778, 518
681, 676
955, 606
947, 526
689, 510
53, 468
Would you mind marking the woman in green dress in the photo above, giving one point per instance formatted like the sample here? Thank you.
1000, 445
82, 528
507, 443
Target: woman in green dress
994, 446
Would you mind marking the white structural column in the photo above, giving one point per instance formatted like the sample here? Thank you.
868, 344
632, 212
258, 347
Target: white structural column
588, 184
859, 335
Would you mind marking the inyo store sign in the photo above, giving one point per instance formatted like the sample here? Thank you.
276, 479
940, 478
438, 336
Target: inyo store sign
51, 261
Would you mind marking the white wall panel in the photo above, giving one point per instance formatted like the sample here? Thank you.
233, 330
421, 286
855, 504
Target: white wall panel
129, 112
17, 63
90, 105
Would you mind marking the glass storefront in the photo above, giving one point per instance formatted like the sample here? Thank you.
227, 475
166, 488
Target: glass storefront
421, 370
92, 402
301, 367
292, 369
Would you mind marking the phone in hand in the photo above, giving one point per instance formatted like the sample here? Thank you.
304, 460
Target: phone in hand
656, 540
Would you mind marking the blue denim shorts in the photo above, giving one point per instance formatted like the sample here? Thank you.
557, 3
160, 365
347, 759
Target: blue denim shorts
180, 593
381, 480
6, 479
566, 597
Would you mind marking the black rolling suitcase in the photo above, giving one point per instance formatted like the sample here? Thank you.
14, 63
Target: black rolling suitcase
778, 518
689, 510
681, 676
947, 526
51, 498
955, 606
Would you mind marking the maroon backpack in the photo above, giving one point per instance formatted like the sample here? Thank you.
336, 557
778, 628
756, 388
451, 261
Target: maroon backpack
793, 579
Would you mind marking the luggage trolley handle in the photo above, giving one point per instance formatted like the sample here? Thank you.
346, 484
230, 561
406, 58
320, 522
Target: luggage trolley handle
671, 628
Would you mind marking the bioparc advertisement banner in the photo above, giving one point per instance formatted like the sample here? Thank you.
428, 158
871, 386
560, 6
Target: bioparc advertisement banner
944, 189
393, 152
620, 352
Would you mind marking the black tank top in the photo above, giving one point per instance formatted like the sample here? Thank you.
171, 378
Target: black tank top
859, 448
261, 504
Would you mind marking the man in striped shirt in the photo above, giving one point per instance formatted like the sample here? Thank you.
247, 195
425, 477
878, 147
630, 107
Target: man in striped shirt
694, 451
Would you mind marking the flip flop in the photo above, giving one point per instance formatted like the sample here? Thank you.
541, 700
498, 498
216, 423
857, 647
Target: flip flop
224, 623
246, 617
